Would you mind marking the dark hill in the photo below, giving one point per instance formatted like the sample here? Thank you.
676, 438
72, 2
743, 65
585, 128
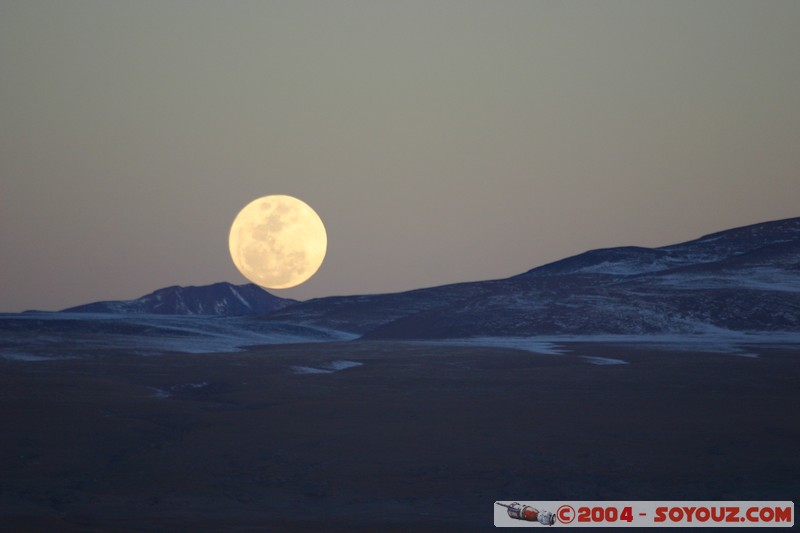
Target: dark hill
217, 299
743, 279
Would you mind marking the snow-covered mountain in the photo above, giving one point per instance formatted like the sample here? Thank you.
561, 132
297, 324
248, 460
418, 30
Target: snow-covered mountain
217, 299
743, 279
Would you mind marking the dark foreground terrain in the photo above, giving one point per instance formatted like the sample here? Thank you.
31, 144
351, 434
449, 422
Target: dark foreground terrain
420, 437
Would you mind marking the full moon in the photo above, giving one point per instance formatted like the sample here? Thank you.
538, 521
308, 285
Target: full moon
277, 241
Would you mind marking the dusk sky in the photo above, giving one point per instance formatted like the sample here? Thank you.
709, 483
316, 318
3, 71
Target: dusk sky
439, 141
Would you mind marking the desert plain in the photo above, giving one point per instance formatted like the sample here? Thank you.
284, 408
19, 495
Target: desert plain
385, 435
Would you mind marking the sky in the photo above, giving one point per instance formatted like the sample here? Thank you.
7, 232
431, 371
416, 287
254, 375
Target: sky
440, 141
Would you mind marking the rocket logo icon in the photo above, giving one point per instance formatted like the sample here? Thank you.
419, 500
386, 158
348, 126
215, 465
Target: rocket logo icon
528, 513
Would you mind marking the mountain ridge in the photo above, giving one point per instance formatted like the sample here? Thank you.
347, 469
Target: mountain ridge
742, 279
216, 299
745, 278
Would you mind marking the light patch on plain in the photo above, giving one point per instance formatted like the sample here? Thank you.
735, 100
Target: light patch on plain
149, 335
309, 370
19, 356
159, 393
327, 368
189, 386
342, 365
528, 344
602, 361
749, 355
169, 392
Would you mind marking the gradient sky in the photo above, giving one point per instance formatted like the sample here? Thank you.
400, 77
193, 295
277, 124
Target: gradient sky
440, 141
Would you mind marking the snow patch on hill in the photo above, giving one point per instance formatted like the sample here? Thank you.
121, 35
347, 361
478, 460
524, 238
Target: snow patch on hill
741, 344
46, 336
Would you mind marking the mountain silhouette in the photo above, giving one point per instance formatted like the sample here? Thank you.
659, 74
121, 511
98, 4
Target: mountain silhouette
742, 279
217, 299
